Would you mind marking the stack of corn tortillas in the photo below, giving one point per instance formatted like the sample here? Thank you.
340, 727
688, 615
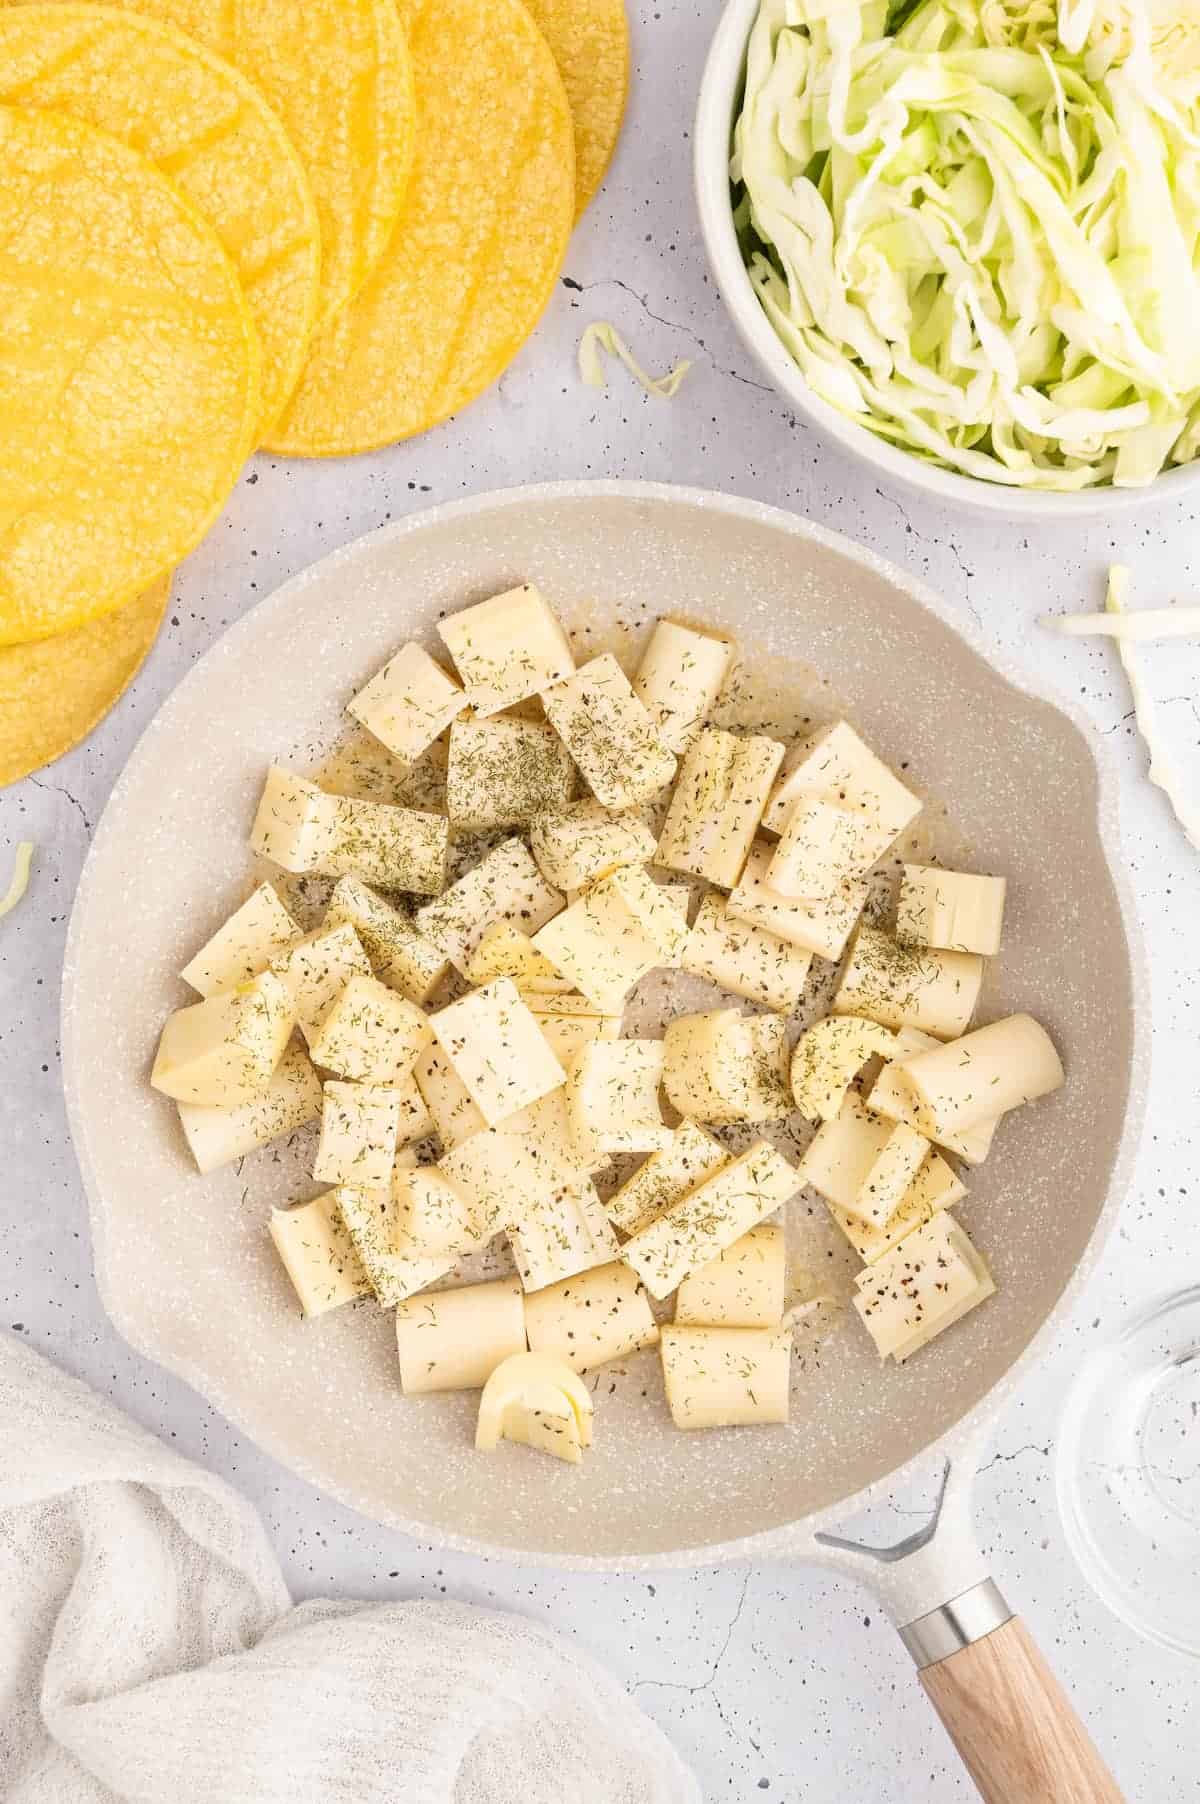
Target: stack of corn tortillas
233, 223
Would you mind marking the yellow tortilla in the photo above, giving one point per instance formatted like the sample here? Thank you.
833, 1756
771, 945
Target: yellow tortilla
54, 691
590, 43
129, 390
209, 130
477, 247
338, 74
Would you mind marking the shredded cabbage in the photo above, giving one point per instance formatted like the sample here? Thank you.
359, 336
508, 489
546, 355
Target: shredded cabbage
975, 225
600, 336
20, 877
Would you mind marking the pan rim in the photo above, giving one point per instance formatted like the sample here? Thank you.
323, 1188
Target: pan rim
792, 1539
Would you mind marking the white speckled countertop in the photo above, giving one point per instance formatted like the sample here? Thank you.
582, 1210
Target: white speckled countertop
776, 1683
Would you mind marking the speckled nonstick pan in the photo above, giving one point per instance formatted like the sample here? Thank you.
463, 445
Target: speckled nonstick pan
184, 1264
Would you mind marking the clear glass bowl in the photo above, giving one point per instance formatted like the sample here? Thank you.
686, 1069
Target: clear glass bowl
1128, 1471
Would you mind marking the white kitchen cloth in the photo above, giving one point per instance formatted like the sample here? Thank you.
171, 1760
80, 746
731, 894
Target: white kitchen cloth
149, 1650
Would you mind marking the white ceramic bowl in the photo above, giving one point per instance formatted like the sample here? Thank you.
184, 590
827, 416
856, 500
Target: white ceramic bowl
720, 97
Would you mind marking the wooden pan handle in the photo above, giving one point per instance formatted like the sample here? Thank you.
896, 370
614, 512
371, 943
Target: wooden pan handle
1014, 1726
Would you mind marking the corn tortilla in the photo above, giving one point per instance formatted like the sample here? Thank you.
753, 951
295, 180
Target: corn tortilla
209, 130
129, 393
477, 247
53, 692
338, 74
589, 40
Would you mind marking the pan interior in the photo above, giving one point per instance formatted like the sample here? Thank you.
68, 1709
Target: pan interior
184, 1262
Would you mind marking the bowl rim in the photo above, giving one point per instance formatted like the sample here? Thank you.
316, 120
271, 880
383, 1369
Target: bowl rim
1096, 1381
719, 90
794, 1539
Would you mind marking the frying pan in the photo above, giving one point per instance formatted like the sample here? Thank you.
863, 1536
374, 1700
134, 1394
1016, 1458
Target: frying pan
1014, 783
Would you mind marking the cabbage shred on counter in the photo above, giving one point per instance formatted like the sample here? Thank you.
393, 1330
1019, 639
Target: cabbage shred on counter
975, 227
